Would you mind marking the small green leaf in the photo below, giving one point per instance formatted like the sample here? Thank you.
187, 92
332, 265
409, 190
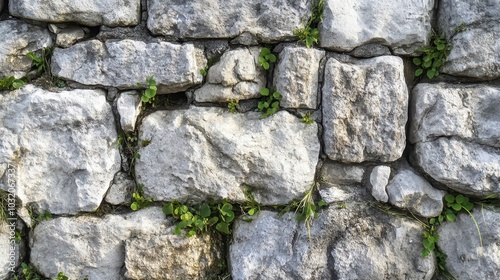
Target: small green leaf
265, 65
441, 47
223, 227
456, 207
251, 212
322, 203
432, 221
191, 233
144, 99
271, 57
182, 224
264, 91
205, 211
419, 72
213, 221
427, 64
460, 199
276, 95
417, 61
449, 198
265, 51
177, 230
266, 105
451, 217
431, 73
275, 104
168, 209
468, 206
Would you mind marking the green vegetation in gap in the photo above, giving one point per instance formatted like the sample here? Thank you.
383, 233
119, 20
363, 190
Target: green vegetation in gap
266, 58
204, 71
42, 63
210, 62
4, 203
233, 106
139, 201
307, 118
11, 83
149, 94
269, 103
251, 206
130, 140
433, 57
200, 218
309, 34
37, 218
29, 272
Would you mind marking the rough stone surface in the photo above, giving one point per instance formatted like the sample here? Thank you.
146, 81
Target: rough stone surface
19, 38
379, 178
411, 191
467, 111
129, 106
371, 50
296, 77
365, 109
349, 243
92, 247
121, 189
340, 182
125, 63
270, 21
92, 13
75, 130
237, 75
466, 258
69, 36
465, 167
200, 153
174, 257
403, 25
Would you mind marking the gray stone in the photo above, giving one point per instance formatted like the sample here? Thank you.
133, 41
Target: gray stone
125, 63
174, 257
365, 109
379, 178
349, 243
205, 153
19, 38
92, 13
411, 191
237, 75
465, 167
120, 191
466, 258
340, 182
63, 146
296, 77
245, 39
129, 107
69, 36
270, 21
371, 50
402, 25
466, 111
92, 247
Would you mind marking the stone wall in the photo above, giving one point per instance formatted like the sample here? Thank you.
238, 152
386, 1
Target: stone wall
383, 151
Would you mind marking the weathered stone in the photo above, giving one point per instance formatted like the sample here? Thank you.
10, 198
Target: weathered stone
129, 106
125, 63
296, 77
379, 178
92, 13
92, 247
465, 167
174, 257
68, 37
349, 243
237, 75
365, 109
270, 21
466, 257
411, 191
120, 191
402, 25
467, 111
371, 50
62, 145
205, 153
19, 38
340, 182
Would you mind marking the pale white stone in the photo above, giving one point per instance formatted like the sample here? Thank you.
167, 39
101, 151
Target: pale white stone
129, 107
379, 178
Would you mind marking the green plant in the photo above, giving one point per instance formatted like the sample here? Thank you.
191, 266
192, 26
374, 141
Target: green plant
18, 237
11, 83
307, 118
309, 34
42, 63
269, 103
200, 218
4, 203
204, 71
433, 57
233, 106
61, 276
149, 94
139, 201
29, 272
45, 216
251, 206
266, 57
460, 28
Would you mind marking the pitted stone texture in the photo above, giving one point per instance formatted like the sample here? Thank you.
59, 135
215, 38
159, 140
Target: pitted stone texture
402, 25
121, 189
296, 77
270, 21
365, 109
19, 38
90, 12
170, 256
466, 258
62, 145
339, 182
411, 191
237, 75
468, 111
379, 178
204, 153
465, 167
92, 247
69, 36
129, 106
352, 243
125, 63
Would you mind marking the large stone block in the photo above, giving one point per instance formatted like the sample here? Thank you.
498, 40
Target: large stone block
402, 25
125, 63
365, 109
89, 12
204, 153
